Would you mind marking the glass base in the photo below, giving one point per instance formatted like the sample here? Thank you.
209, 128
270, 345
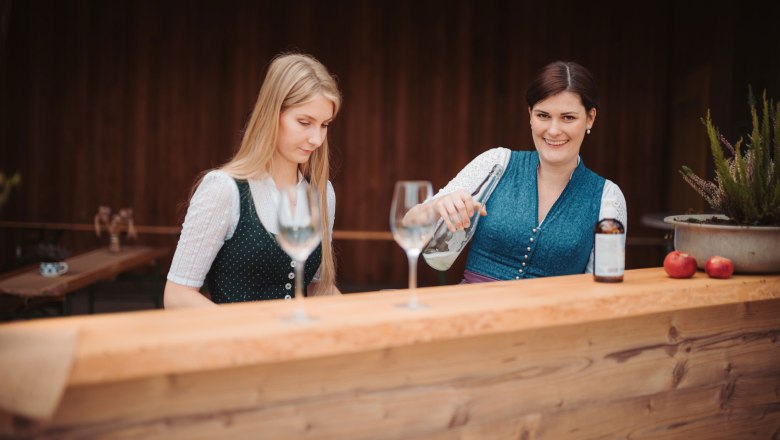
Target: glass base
300, 316
413, 304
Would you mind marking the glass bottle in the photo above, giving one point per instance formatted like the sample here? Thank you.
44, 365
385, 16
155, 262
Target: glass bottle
445, 246
609, 246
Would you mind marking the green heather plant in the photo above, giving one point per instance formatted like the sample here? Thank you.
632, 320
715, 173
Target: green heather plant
746, 187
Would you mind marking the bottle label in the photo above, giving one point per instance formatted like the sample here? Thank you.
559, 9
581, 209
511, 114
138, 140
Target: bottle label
609, 255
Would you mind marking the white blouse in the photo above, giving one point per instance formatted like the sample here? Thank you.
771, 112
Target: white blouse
472, 175
212, 218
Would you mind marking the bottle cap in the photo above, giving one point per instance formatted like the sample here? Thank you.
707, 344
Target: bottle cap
610, 209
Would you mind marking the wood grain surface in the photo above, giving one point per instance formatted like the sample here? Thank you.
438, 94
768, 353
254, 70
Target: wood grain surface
552, 358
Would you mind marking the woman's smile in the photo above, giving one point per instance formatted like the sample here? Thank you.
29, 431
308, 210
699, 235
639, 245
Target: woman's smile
556, 143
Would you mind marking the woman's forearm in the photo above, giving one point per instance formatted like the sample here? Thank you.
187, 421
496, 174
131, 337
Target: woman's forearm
177, 296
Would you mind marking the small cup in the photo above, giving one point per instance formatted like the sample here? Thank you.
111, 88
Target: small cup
53, 269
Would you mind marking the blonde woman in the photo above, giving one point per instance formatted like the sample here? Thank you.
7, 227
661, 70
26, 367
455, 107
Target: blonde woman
226, 239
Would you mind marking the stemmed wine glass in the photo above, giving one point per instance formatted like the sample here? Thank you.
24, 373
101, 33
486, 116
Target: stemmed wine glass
412, 225
300, 231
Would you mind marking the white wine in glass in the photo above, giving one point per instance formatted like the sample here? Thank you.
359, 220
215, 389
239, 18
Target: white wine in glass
300, 231
412, 226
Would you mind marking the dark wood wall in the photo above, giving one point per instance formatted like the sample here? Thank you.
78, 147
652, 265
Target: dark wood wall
123, 103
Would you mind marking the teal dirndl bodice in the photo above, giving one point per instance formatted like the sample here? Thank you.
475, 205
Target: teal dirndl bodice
509, 242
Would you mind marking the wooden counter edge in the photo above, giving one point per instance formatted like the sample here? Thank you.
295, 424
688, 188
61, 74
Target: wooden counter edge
132, 345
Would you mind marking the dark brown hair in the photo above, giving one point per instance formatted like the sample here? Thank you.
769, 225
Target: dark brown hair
562, 76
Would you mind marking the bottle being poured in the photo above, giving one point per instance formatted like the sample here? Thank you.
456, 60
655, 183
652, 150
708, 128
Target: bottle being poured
445, 246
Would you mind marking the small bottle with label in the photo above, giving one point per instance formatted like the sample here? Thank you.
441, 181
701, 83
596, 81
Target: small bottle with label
609, 247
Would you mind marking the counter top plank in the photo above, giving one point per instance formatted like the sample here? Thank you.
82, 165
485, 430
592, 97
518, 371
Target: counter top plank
551, 358
148, 343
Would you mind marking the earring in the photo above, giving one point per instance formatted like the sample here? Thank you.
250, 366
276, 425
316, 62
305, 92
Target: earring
588, 130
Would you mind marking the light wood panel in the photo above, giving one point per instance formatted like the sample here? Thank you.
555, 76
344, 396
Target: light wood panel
558, 358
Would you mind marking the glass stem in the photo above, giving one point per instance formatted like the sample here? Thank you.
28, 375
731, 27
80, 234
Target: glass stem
299, 266
413, 256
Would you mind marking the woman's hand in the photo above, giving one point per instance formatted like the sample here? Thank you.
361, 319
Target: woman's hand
456, 209
177, 296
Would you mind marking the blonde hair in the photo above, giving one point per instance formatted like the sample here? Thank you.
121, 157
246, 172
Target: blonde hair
291, 80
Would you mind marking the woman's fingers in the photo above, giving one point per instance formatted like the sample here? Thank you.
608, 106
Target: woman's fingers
461, 209
454, 215
471, 207
461, 215
445, 215
457, 208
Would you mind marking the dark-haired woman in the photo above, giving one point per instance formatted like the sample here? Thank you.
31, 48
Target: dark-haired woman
543, 209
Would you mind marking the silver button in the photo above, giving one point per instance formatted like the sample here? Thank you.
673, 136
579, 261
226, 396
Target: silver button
290, 275
528, 249
524, 264
292, 263
525, 256
288, 286
532, 239
517, 278
534, 230
287, 297
521, 270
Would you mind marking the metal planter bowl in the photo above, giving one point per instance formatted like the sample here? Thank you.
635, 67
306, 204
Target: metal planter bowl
752, 249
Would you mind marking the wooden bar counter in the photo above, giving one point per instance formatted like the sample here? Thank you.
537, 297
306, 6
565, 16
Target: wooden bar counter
554, 358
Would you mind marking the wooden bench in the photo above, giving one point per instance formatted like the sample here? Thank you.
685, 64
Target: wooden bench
29, 286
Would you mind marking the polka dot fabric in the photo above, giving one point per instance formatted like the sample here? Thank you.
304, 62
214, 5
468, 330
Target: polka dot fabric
251, 266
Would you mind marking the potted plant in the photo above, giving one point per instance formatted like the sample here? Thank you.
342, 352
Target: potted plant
52, 259
6, 185
746, 193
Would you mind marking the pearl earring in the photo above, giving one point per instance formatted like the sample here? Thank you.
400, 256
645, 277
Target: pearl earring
588, 130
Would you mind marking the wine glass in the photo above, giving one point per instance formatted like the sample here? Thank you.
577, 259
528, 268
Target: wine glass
412, 225
300, 231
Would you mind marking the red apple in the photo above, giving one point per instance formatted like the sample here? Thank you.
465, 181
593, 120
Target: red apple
679, 265
719, 267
